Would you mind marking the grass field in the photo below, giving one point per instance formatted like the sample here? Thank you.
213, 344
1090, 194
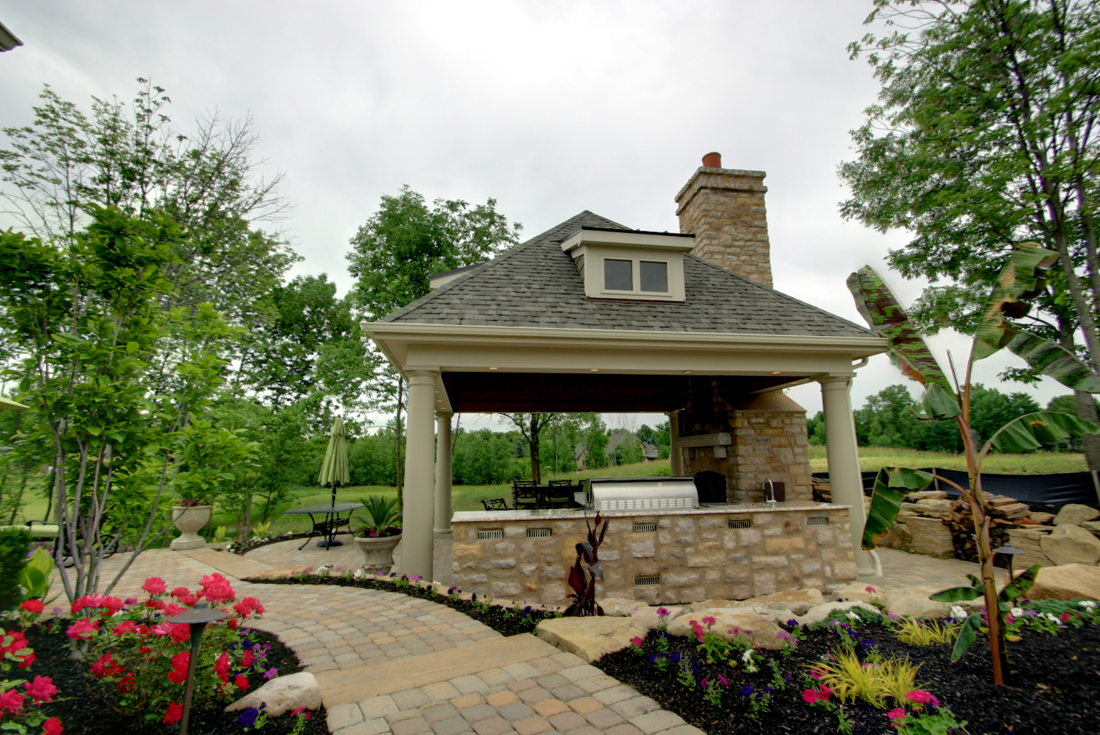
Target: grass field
469, 497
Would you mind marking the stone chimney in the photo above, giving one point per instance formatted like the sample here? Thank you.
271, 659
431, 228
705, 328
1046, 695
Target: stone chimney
724, 209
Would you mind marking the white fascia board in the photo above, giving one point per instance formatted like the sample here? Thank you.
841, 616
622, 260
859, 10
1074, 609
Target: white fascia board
679, 243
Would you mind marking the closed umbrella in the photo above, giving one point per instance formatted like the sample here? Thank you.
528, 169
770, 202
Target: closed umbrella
334, 470
6, 404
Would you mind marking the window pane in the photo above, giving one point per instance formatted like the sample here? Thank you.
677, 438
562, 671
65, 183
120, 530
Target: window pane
617, 275
654, 276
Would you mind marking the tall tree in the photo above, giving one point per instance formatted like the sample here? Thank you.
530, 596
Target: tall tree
984, 135
403, 243
531, 426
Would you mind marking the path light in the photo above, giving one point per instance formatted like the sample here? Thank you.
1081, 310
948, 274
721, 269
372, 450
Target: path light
1009, 551
197, 618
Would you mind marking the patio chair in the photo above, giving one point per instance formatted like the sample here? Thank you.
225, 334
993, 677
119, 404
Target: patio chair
495, 504
560, 494
525, 495
51, 533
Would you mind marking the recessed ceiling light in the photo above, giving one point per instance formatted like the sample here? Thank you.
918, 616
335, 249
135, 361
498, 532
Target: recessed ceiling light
594, 370
775, 372
687, 372
492, 368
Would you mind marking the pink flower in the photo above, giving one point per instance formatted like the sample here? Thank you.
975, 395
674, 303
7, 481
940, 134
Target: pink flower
897, 713
11, 701
271, 673
216, 588
636, 641
816, 673
870, 589
247, 658
300, 711
662, 612
83, 628
180, 633
33, 606
709, 621
809, 696
221, 667
181, 592
52, 726
173, 715
922, 697
154, 586
126, 626
241, 682
41, 689
824, 693
180, 662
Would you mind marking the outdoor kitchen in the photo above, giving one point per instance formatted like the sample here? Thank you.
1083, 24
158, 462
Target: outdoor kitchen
662, 545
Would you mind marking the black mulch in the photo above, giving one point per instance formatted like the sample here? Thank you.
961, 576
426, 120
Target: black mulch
506, 621
1055, 688
243, 546
82, 708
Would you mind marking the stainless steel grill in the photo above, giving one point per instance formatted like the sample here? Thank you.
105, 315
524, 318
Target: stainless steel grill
643, 493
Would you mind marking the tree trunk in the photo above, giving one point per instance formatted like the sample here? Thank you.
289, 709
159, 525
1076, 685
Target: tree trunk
1086, 410
536, 469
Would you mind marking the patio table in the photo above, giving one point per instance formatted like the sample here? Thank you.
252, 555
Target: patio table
330, 524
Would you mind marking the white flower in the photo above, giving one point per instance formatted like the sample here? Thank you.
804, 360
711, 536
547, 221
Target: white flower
358, 574
1054, 618
958, 613
1017, 612
747, 656
1088, 603
853, 616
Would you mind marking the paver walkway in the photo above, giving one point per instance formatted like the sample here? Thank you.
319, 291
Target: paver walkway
390, 663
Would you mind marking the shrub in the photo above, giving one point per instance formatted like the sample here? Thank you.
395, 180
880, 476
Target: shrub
132, 649
926, 632
21, 698
15, 544
873, 682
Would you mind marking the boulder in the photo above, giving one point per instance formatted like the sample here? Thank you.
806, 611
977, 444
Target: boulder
936, 507
1068, 544
590, 638
819, 613
857, 591
642, 613
796, 602
929, 536
914, 602
620, 606
928, 495
1040, 517
1067, 582
1075, 514
1092, 527
761, 629
283, 694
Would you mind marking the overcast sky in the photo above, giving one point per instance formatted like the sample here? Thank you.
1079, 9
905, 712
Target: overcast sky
548, 107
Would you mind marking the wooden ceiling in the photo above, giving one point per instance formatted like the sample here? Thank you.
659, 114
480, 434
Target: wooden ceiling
494, 392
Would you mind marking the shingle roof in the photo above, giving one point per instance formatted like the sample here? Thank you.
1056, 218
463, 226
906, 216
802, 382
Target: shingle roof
536, 284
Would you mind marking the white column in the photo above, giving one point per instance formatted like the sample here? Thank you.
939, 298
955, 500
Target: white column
675, 454
443, 471
417, 541
842, 450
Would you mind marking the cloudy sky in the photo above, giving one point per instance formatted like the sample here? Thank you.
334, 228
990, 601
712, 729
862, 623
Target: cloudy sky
548, 107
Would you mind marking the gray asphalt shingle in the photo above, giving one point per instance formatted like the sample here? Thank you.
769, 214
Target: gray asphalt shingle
536, 284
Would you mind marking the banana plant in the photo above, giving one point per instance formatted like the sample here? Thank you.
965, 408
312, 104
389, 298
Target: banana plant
1021, 279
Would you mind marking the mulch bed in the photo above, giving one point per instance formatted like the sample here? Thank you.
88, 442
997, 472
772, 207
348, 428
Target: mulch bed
506, 621
243, 546
82, 708
1054, 689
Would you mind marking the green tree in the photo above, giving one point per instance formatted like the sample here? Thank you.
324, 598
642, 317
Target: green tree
532, 426
403, 243
89, 320
595, 442
984, 136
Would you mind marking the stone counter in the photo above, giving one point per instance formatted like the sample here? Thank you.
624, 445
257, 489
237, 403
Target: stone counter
658, 557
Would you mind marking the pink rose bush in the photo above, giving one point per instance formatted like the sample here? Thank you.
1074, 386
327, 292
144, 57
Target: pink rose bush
20, 698
132, 649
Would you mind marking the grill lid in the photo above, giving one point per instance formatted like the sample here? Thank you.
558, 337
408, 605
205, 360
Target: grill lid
644, 493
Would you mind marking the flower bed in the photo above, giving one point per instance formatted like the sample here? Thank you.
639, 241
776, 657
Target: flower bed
506, 620
1055, 667
241, 546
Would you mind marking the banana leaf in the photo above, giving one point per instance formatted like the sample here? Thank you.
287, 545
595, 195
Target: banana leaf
881, 309
1020, 585
1020, 275
1050, 358
936, 405
891, 486
960, 594
1037, 430
967, 634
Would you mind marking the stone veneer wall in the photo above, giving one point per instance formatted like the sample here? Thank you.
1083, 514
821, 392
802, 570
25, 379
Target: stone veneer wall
769, 441
724, 209
696, 556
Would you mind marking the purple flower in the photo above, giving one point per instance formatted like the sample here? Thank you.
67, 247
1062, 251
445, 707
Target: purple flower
248, 717
746, 691
792, 623
675, 658
768, 689
271, 673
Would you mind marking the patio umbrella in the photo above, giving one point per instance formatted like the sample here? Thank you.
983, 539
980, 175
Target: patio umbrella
334, 470
6, 404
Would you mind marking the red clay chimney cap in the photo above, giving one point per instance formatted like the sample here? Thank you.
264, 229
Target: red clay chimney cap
712, 160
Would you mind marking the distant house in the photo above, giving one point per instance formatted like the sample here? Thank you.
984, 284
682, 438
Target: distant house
650, 451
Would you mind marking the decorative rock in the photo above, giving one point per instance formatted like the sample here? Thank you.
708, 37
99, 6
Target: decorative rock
819, 613
762, 630
914, 602
857, 591
928, 495
795, 601
1040, 517
939, 508
1092, 527
1068, 582
929, 536
590, 638
621, 606
1071, 545
283, 694
1074, 514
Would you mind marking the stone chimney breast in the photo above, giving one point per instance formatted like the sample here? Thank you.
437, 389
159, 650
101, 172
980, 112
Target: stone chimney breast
724, 209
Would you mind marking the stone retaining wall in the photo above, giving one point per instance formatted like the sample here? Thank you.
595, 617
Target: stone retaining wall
692, 556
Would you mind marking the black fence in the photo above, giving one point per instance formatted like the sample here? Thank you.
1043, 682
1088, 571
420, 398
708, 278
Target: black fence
1062, 489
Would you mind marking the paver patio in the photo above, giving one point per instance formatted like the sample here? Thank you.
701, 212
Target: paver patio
391, 663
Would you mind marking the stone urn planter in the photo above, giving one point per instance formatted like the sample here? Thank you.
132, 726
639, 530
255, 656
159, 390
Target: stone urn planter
377, 553
188, 519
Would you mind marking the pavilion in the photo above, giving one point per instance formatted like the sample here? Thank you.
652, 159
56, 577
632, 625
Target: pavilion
592, 316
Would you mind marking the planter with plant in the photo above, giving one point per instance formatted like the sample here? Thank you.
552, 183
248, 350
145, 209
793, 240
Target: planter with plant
379, 533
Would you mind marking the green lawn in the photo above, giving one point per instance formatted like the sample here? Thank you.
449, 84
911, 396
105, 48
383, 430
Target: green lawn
872, 459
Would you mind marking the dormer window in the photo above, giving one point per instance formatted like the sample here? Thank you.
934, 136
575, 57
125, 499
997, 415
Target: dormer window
629, 264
